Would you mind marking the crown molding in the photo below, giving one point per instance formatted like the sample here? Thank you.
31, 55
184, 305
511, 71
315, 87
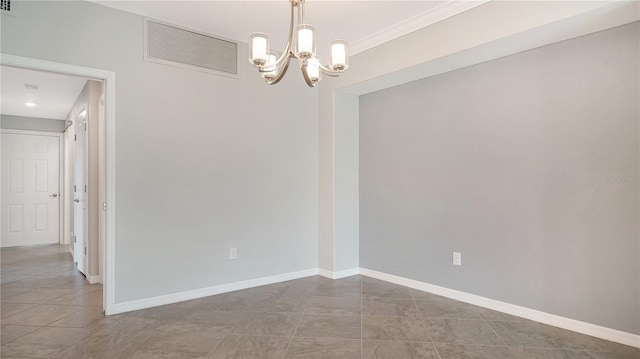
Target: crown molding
423, 19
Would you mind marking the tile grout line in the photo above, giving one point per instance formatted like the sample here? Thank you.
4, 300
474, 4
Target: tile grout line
589, 353
496, 333
296, 329
24, 310
225, 336
3, 343
493, 330
426, 330
66, 347
25, 292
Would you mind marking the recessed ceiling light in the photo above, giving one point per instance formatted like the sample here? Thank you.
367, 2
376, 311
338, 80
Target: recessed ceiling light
30, 104
30, 87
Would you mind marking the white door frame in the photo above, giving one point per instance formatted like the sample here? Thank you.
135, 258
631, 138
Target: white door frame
109, 78
60, 170
82, 171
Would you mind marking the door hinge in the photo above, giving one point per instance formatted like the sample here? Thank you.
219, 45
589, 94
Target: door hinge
74, 188
75, 137
104, 206
75, 239
85, 251
85, 188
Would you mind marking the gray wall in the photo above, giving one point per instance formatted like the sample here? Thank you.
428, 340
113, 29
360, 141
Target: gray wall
203, 162
528, 165
507, 27
31, 123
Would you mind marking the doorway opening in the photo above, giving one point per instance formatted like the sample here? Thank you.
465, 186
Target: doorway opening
83, 200
85, 187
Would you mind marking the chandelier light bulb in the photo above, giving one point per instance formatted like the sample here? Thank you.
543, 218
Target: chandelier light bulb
259, 48
313, 69
339, 55
270, 70
306, 44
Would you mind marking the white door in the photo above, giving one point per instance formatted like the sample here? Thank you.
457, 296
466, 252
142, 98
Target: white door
80, 231
30, 189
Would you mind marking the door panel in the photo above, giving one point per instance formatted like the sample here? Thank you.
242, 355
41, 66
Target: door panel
41, 171
30, 189
15, 176
15, 218
80, 230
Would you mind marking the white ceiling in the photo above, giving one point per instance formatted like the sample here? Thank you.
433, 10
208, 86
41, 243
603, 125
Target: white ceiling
54, 97
363, 24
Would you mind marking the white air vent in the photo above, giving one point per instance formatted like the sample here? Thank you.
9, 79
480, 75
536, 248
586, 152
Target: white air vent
172, 45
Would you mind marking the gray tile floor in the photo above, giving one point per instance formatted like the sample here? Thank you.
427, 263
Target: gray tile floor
49, 311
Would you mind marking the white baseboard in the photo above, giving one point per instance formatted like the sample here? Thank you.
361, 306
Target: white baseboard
205, 292
527, 313
531, 314
93, 279
339, 274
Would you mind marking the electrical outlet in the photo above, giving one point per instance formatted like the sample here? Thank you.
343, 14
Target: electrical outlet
233, 253
457, 258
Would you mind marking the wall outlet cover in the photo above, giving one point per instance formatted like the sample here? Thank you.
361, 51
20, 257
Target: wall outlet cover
457, 258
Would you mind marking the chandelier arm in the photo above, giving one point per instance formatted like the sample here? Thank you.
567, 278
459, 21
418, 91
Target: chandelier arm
282, 71
331, 74
277, 66
328, 71
303, 68
286, 52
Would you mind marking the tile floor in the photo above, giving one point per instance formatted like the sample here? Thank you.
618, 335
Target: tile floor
49, 311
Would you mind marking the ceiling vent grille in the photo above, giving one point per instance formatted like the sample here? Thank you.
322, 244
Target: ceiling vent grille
5, 5
171, 45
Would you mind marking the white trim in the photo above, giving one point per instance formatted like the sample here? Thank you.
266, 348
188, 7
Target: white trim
531, 314
205, 292
109, 79
339, 274
423, 19
93, 279
61, 193
31, 133
325, 273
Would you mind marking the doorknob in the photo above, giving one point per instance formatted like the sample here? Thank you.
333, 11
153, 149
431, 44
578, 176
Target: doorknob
76, 200
53, 195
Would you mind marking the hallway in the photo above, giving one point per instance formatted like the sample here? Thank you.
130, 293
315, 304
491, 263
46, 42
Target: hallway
46, 302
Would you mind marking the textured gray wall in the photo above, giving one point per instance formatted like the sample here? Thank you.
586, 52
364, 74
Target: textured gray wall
203, 162
31, 123
528, 165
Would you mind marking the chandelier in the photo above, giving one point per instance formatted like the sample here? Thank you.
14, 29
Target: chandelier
273, 65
